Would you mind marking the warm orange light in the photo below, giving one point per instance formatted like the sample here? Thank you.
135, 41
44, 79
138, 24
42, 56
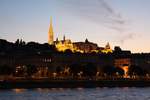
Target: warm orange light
19, 90
125, 68
65, 44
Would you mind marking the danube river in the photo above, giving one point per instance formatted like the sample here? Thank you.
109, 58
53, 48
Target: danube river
77, 94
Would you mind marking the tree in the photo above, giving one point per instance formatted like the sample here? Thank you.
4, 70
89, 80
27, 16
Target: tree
30, 70
58, 70
6, 70
89, 70
136, 70
68, 51
75, 69
17, 42
120, 71
109, 70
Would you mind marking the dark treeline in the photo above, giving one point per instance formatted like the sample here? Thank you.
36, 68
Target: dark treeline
21, 46
88, 70
75, 70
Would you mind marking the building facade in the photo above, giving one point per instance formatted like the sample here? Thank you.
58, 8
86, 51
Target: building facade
82, 47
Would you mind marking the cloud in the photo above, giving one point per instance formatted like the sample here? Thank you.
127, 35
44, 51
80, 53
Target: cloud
127, 37
3, 34
98, 11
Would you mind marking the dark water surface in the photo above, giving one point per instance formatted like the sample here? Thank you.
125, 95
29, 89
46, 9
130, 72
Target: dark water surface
77, 94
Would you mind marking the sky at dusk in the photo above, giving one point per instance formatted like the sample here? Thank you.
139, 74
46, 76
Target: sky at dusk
123, 23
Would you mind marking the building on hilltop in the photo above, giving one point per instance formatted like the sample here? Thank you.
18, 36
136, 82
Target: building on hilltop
64, 44
83, 47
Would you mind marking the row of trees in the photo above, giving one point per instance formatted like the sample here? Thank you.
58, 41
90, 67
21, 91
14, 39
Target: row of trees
88, 70
8, 70
21, 46
91, 70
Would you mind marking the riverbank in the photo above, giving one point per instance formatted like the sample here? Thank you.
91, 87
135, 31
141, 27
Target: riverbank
8, 84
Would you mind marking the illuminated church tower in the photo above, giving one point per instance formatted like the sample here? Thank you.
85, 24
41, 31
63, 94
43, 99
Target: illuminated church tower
50, 33
83, 47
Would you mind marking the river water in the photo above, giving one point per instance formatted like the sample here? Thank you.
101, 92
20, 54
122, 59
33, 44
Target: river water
105, 93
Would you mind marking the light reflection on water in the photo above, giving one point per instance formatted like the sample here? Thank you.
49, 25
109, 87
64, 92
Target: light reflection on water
105, 93
19, 90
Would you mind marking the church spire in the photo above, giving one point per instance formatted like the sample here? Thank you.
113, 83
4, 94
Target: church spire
50, 33
107, 46
64, 38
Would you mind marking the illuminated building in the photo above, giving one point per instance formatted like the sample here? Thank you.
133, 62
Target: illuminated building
123, 63
64, 44
50, 33
122, 59
82, 47
107, 49
85, 47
